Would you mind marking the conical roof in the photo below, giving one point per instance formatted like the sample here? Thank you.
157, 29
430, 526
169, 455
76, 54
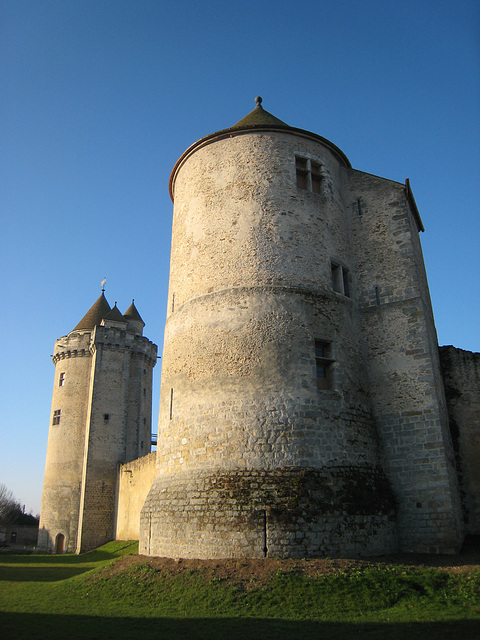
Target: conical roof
115, 314
94, 316
132, 314
259, 117
256, 121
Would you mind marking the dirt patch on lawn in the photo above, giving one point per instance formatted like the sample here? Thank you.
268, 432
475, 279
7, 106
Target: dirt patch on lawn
260, 570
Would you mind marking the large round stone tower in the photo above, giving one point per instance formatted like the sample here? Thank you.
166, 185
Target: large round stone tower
101, 416
300, 413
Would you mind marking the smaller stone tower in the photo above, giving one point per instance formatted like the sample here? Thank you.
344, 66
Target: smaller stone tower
101, 416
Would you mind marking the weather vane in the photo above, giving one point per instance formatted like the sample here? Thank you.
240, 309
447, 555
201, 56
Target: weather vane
103, 283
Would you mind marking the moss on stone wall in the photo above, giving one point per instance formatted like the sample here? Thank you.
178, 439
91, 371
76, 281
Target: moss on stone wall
309, 492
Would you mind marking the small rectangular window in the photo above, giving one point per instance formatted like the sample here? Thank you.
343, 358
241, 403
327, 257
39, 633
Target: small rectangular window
106, 417
61, 379
56, 416
323, 363
309, 174
340, 279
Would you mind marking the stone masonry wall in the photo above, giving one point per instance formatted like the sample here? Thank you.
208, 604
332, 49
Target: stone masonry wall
285, 512
139, 403
247, 394
403, 367
461, 373
134, 482
240, 220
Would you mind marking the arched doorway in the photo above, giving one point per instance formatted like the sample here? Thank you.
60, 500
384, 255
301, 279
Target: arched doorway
60, 543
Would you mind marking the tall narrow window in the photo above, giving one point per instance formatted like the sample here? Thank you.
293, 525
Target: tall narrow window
56, 416
323, 362
302, 172
171, 403
61, 379
316, 176
309, 174
340, 282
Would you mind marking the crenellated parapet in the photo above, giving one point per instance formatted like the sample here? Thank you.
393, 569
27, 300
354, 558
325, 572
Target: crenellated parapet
112, 336
74, 345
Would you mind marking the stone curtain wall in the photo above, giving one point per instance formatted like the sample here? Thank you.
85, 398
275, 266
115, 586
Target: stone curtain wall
134, 481
461, 372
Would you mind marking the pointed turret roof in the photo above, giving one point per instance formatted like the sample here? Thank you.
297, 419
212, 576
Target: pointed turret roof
132, 314
95, 314
257, 120
259, 117
115, 314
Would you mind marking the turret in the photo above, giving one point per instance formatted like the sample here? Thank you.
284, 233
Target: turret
135, 322
273, 423
101, 416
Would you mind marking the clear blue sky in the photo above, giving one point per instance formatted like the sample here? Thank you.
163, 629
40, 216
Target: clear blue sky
100, 98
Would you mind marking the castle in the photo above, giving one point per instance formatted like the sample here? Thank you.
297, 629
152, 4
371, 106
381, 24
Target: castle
303, 409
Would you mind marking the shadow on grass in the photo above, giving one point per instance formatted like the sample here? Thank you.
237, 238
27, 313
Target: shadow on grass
28, 573
98, 555
50, 568
22, 626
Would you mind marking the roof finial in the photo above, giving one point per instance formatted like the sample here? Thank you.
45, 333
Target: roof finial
258, 102
102, 284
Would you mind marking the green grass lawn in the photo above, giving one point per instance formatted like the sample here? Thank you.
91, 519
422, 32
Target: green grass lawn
68, 596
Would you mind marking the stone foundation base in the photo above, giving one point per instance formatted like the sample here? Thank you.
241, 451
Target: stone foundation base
287, 513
